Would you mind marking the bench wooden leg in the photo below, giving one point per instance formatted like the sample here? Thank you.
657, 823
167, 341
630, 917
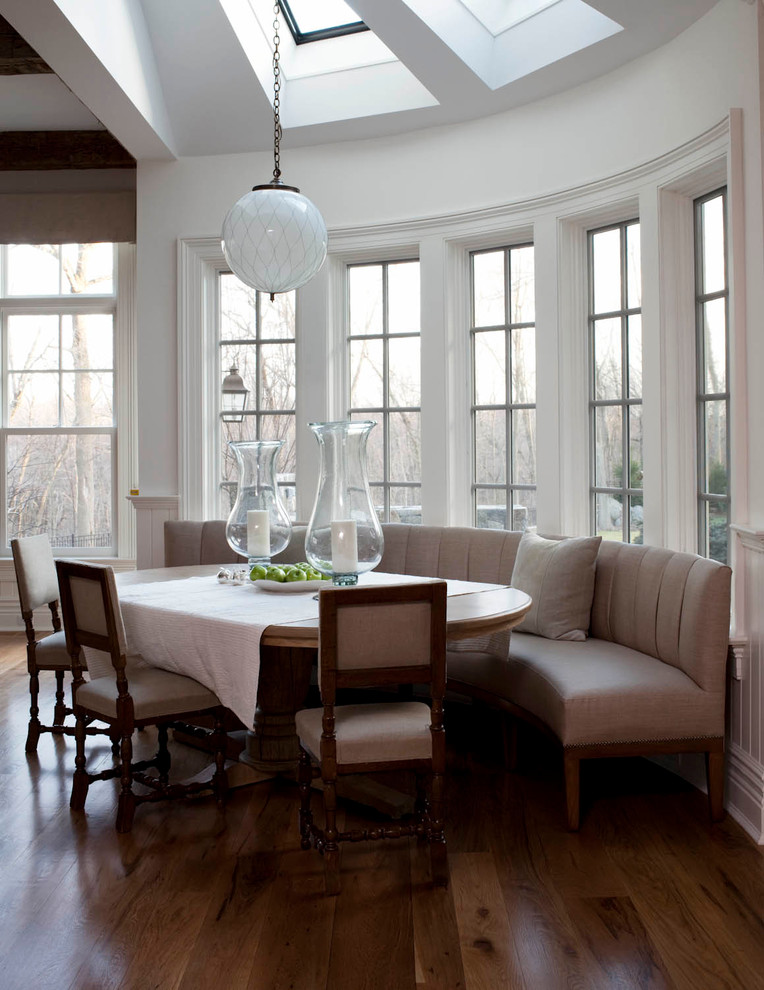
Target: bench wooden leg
573, 789
715, 784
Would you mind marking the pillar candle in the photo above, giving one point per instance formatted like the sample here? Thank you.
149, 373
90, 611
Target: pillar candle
258, 533
344, 546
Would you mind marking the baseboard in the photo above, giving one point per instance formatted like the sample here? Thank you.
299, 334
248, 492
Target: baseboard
743, 788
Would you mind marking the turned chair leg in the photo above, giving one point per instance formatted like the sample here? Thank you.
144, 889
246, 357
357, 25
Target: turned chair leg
331, 846
59, 711
81, 779
305, 778
715, 784
573, 789
33, 733
126, 806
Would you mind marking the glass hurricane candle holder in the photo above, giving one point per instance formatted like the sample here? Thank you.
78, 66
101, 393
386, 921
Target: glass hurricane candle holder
344, 537
259, 525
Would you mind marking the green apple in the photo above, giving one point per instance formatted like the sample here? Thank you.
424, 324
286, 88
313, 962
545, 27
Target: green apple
296, 575
258, 572
275, 574
326, 577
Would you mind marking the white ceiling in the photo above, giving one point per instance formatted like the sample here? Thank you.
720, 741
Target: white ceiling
192, 77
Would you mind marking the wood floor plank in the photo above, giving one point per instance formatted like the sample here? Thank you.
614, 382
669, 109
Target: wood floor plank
616, 938
487, 946
373, 918
240, 895
436, 934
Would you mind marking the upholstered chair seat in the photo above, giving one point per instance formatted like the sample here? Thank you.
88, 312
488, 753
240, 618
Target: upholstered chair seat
52, 653
155, 693
371, 733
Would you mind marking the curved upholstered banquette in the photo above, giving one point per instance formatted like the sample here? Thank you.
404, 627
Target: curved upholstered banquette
650, 677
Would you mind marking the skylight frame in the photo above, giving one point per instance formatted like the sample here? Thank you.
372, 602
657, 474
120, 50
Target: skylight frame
322, 34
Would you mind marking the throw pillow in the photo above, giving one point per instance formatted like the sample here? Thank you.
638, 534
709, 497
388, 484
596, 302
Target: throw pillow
559, 577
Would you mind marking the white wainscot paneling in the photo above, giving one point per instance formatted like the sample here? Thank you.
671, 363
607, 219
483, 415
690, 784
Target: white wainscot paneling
151, 513
745, 752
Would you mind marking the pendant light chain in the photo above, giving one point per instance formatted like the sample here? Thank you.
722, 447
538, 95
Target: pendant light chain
276, 93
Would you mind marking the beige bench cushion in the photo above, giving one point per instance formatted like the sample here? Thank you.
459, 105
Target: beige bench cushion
50, 653
154, 692
371, 733
595, 692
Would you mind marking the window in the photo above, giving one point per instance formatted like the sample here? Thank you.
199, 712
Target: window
258, 338
503, 336
310, 20
385, 381
615, 407
57, 311
712, 308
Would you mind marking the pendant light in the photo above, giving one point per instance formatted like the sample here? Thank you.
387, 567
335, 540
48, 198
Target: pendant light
274, 239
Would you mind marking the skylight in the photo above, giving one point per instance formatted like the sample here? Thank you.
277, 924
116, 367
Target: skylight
317, 20
500, 15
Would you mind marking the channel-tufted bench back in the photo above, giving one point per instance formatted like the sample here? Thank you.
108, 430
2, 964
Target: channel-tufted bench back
672, 606
459, 553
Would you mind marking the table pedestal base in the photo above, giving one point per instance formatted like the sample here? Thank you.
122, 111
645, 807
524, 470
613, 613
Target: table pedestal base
272, 746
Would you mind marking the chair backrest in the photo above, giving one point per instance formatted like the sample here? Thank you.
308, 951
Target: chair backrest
394, 634
35, 572
90, 608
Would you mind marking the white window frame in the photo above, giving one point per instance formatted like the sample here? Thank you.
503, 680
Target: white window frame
625, 402
381, 414
510, 485
121, 304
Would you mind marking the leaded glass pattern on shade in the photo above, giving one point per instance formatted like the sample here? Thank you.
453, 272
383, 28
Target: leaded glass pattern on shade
712, 308
615, 396
384, 381
58, 416
274, 240
257, 335
503, 353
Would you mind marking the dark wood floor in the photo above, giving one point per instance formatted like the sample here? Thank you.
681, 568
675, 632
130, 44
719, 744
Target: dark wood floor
648, 894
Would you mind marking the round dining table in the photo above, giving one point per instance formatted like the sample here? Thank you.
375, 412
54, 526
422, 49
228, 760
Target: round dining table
288, 649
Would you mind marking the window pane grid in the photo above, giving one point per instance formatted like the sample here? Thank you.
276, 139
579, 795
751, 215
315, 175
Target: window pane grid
615, 396
58, 304
258, 337
712, 309
384, 368
503, 387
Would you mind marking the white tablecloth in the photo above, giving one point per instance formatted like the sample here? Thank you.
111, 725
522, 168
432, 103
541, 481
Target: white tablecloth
211, 631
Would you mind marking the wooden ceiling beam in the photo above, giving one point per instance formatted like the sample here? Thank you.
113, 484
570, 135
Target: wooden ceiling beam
26, 150
16, 56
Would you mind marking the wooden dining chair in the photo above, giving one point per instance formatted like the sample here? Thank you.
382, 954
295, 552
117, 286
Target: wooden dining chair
127, 693
38, 586
371, 637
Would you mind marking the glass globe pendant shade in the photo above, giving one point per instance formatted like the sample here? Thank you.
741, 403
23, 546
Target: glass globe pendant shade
274, 239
